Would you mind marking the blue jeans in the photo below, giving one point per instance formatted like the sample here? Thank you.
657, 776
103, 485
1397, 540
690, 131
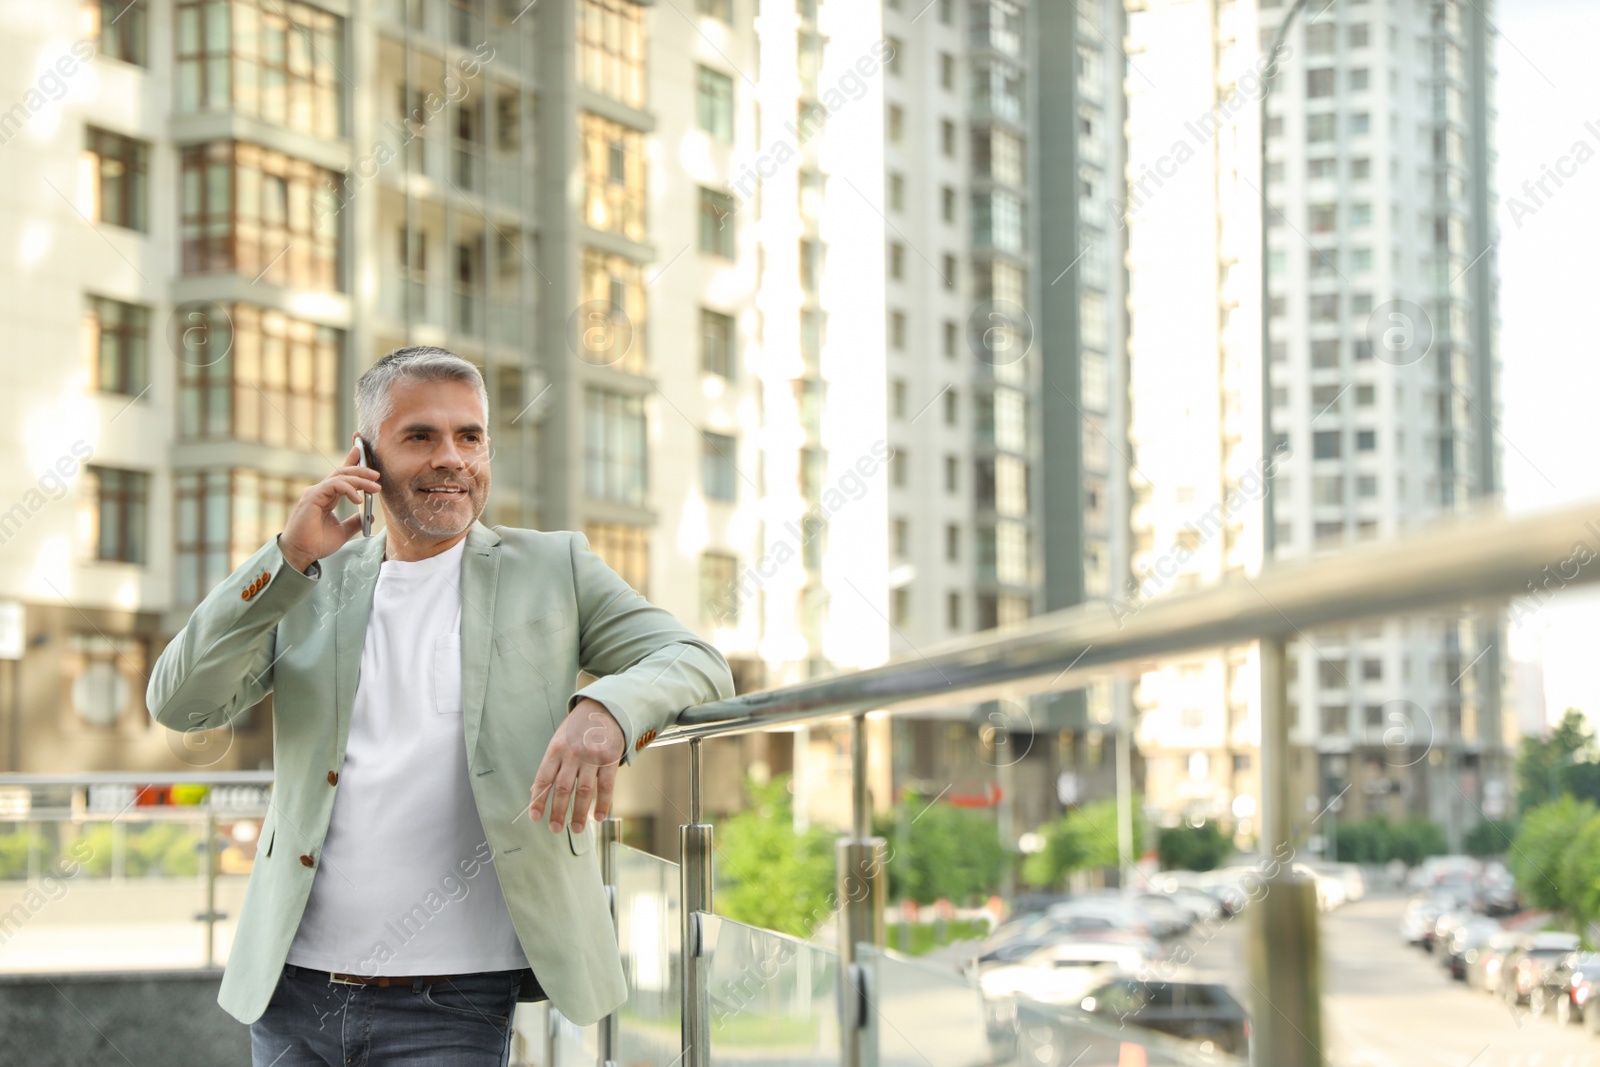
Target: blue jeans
313, 1022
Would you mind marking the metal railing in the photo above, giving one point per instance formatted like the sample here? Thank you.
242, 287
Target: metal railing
1474, 561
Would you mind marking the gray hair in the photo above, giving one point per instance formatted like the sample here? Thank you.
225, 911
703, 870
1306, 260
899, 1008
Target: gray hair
419, 363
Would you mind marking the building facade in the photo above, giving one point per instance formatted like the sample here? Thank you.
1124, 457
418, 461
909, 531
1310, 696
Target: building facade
1383, 372
227, 211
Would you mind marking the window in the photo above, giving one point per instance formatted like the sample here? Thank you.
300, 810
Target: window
120, 28
949, 271
1361, 259
897, 260
1322, 168
947, 70
1360, 78
1324, 397
1372, 670
1325, 307
1366, 440
716, 233
1328, 533
997, 221
719, 589
897, 330
1322, 218
280, 67
119, 345
947, 12
899, 468
613, 176
900, 605
951, 332
808, 398
947, 203
718, 473
120, 166
1331, 673
256, 374
611, 49
106, 684
813, 325
1325, 444
722, 10
812, 254
245, 210
952, 405
1328, 489
224, 517
716, 344
122, 501
1319, 82
999, 155
613, 301
997, 90
900, 535
614, 455
1361, 214
897, 398
812, 472
1358, 35
897, 191
891, 59
1360, 122
1366, 396
947, 138
952, 610
952, 473
895, 124
625, 549
714, 103
1319, 38
1319, 128
1336, 719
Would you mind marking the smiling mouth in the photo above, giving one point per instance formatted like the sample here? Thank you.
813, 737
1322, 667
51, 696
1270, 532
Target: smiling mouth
444, 490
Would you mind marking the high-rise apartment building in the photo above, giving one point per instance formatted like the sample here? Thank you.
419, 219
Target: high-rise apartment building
1383, 377
225, 212
1006, 368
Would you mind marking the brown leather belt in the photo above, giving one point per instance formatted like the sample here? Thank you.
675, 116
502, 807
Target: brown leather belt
385, 980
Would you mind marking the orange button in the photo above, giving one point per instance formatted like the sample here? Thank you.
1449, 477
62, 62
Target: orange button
333, 777
308, 861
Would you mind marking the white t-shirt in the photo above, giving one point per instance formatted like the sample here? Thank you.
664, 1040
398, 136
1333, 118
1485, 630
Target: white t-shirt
405, 884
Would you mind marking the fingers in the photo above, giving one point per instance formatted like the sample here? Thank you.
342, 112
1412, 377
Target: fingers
352, 457
605, 781
542, 781
561, 793
582, 797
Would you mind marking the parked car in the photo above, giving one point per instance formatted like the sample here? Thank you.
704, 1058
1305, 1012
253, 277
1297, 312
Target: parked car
1570, 984
1483, 968
1522, 975
1063, 972
1465, 943
1195, 1011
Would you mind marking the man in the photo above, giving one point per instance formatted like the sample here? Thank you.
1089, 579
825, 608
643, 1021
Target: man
406, 892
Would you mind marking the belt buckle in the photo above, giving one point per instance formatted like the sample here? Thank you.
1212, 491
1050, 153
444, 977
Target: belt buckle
334, 977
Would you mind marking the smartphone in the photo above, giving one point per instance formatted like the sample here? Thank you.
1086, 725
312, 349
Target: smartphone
366, 498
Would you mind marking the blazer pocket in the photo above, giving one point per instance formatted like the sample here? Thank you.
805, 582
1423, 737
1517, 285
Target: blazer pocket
524, 639
583, 841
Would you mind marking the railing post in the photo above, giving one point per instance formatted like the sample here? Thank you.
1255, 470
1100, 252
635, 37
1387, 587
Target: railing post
694, 873
862, 885
610, 836
1285, 958
211, 883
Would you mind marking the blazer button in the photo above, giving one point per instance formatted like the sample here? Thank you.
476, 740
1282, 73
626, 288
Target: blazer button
308, 861
333, 777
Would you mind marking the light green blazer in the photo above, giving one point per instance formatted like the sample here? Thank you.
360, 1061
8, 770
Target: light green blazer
535, 607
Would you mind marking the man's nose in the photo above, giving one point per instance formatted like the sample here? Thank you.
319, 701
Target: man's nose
448, 455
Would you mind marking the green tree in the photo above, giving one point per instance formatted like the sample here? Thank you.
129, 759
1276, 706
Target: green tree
942, 851
1537, 855
1546, 766
1082, 839
1193, 848
768, 875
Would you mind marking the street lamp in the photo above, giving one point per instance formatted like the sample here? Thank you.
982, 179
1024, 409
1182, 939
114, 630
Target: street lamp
1285, 957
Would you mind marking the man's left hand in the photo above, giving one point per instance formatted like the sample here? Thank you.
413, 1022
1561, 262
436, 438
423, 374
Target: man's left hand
581, 763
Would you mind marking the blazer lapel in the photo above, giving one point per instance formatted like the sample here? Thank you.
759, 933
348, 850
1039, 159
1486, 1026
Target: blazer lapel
357, 580
480, 578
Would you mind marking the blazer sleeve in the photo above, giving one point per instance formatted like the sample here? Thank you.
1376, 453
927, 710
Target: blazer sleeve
220, 664
649, 665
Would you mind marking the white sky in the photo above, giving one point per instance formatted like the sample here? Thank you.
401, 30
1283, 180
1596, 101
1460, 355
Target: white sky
1549, 88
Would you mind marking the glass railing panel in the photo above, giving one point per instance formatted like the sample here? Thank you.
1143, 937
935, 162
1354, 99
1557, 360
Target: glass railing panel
1045, 1033
649, 1028
926, 1016
773, 998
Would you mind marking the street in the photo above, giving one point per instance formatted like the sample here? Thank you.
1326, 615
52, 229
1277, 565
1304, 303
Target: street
1387, 1004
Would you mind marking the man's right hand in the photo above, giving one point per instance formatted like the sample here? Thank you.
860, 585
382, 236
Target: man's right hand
313, 531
